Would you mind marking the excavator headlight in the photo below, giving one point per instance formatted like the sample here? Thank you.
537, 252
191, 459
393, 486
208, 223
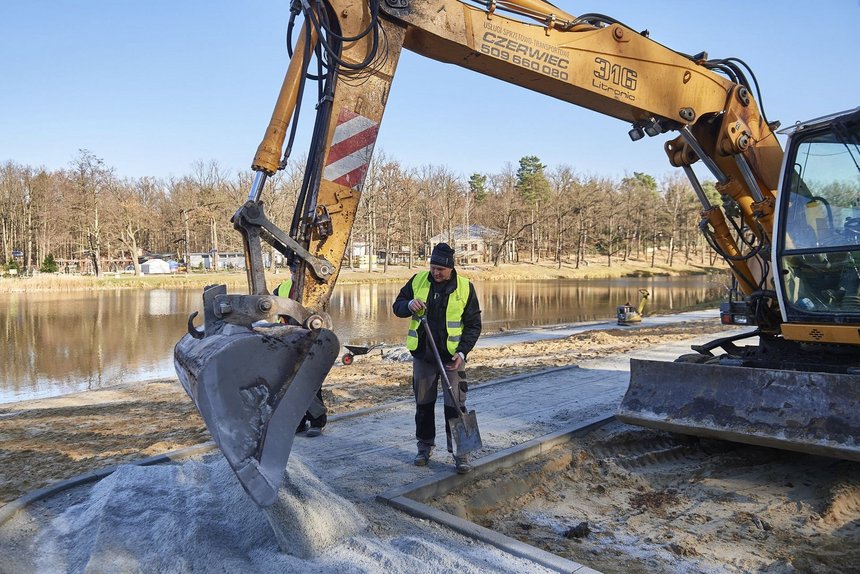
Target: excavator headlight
636, 133
653, 128
733, 319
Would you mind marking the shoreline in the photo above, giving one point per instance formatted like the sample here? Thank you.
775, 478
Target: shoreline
236, 280
46, 440
488, 339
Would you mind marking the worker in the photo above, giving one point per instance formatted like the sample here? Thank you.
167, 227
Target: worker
450, 304
316, 416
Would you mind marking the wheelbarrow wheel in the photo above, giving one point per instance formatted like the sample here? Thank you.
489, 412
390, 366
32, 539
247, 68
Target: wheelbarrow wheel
347, 358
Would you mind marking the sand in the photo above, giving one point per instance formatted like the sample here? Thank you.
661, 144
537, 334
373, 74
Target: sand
636, 501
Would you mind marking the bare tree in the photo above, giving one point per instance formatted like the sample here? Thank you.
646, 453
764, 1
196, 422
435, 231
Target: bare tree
132, 204
215, 203
448, 192
563, 186
429, 222
368, 205
47, 221
504, 213
91, 178
394, 191
13, 191
678, 201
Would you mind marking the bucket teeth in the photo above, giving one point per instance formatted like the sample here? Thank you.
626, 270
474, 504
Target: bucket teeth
252, 386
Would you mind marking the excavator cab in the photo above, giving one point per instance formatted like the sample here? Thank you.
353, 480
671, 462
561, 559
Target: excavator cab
819, 255
799, 387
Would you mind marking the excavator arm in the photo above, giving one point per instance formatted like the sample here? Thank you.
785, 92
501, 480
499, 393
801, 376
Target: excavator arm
351, 49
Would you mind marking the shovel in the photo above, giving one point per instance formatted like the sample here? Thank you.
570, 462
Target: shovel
464, 427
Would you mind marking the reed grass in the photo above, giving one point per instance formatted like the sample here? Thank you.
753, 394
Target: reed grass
63, 283
236, 281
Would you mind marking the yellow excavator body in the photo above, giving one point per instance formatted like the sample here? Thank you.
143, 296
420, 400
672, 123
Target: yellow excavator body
790, 241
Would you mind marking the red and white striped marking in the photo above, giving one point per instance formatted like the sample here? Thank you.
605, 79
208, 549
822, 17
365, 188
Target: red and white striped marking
351, 148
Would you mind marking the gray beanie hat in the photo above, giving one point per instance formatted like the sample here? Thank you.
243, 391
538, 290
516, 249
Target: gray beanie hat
443, 256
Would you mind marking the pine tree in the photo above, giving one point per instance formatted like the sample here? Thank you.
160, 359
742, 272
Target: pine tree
49, 265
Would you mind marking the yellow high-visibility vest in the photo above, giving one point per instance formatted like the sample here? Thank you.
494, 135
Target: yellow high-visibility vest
283, 290
453, 315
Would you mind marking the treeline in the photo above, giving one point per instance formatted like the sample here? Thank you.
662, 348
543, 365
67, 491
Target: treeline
534, 213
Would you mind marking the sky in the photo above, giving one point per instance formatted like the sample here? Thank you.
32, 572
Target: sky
153, 87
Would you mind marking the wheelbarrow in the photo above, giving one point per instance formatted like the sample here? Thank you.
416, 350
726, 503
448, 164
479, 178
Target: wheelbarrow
353, 350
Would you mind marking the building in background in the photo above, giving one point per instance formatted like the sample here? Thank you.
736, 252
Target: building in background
474, 244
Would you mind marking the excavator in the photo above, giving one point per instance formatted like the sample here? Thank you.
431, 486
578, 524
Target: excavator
788, 225
627, 314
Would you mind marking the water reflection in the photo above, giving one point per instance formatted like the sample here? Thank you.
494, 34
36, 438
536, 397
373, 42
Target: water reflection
58, 343
362, 314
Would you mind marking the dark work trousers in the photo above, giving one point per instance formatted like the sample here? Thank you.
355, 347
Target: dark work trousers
317, 413
425, 385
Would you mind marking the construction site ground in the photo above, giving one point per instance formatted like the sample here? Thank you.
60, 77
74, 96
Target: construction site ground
621, 499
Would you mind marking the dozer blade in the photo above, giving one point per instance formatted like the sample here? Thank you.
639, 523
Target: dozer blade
816, 413
252, 386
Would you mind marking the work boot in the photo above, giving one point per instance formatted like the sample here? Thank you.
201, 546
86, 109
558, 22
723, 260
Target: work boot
314, 431
461, 463
422, 458
303, 426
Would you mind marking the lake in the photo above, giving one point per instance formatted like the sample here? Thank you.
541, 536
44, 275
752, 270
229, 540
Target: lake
58, 343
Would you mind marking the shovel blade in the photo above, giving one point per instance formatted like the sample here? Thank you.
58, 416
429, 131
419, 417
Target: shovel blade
252, 386
465, 434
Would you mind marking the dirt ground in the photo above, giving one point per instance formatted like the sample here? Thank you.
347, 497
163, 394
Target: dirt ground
47, 440
621, 501
636, 501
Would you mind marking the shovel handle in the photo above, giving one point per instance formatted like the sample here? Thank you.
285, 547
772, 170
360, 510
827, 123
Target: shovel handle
440, 366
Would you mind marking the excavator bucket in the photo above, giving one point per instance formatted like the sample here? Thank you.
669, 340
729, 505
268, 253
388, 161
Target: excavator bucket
816, 413
252, 385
